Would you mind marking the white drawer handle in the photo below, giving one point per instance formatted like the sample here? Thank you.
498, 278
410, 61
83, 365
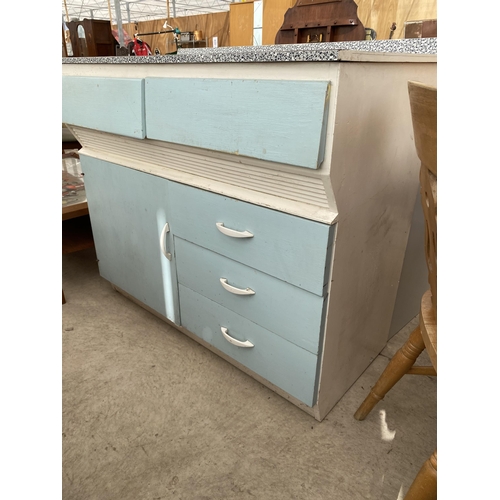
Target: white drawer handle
234, 341
233, 289
166, 229
232, 232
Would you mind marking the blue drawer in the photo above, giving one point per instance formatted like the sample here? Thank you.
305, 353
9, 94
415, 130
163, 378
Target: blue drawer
290, 312
114, 105
276, 120
282, 363
293, 249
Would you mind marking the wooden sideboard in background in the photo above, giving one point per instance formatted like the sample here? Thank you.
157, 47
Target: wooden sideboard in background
373, 14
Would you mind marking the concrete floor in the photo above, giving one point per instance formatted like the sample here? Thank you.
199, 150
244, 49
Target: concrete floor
150, 414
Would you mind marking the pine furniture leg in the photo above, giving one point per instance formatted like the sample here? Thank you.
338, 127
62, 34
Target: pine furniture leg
424, 486
399, 365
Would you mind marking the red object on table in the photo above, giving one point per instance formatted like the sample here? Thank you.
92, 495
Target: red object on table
141, 48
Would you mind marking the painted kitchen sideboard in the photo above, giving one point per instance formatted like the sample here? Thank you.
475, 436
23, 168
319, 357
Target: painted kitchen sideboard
260, 199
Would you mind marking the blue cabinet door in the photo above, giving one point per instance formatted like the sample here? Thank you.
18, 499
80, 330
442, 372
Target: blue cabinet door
114, 105
129, 211
275, 120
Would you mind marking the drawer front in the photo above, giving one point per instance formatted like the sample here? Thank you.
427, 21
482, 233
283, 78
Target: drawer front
288, 311
275, 120
284, 364
114, 105
290, 248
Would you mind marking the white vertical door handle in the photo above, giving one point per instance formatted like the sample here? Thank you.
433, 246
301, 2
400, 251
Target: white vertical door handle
233, 341
165, 230
232, 232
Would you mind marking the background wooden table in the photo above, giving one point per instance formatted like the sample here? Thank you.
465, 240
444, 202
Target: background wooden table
76, 226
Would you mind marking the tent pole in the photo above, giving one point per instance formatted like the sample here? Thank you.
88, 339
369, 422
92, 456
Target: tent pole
110, 16
66, 8
119, 25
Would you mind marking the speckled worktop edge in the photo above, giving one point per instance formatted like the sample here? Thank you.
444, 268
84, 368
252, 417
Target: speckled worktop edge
272, 53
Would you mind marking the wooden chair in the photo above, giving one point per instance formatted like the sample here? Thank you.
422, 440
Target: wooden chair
423, 104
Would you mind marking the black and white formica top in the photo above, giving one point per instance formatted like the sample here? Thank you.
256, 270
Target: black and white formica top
303, 52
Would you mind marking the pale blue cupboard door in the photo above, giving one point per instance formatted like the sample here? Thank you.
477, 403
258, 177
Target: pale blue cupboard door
129, 211
114, 105
275, 120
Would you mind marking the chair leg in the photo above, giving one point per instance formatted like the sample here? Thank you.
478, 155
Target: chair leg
424, 486
401, 362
